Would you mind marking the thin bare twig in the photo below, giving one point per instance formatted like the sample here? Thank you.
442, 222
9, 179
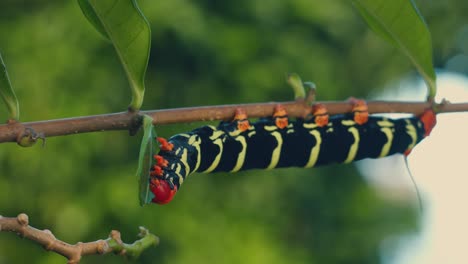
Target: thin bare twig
73, 253
125, 120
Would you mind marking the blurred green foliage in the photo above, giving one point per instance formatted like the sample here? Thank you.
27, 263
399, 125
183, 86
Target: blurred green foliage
203, 52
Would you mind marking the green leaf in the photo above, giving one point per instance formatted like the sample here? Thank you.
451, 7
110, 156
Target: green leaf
400, 23
147, 149
92, 17
7, 93
123, 23
294, 80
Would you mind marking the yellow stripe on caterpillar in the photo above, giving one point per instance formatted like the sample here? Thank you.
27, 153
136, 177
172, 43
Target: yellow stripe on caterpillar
310, 125
411, 131
250, 134
275, 156
217, 140
270, 128
354, 147
242, 154
184, 161
315, 151
177, 172
195, 141
348, 122
387, 129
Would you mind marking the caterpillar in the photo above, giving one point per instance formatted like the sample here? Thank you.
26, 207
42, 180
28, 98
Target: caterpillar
278, 142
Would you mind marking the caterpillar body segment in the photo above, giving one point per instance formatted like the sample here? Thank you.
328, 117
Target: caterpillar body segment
277, 142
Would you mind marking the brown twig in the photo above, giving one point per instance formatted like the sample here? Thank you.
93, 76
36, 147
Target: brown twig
125, 120
73, 253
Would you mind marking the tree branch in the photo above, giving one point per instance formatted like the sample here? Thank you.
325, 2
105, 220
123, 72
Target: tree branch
15, 131
73, 253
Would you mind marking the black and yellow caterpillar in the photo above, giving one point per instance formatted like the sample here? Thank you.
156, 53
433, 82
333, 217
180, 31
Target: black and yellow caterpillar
278, 142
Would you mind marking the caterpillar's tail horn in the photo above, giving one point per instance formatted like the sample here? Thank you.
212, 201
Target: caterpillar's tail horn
428, 118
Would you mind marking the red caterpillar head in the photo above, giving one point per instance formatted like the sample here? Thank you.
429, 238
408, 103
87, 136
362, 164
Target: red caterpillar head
162, 191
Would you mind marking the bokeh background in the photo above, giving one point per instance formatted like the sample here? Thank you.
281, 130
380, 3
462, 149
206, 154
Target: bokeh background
204, 53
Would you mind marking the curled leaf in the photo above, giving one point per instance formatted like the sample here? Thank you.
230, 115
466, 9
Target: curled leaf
294, 80
147, 149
